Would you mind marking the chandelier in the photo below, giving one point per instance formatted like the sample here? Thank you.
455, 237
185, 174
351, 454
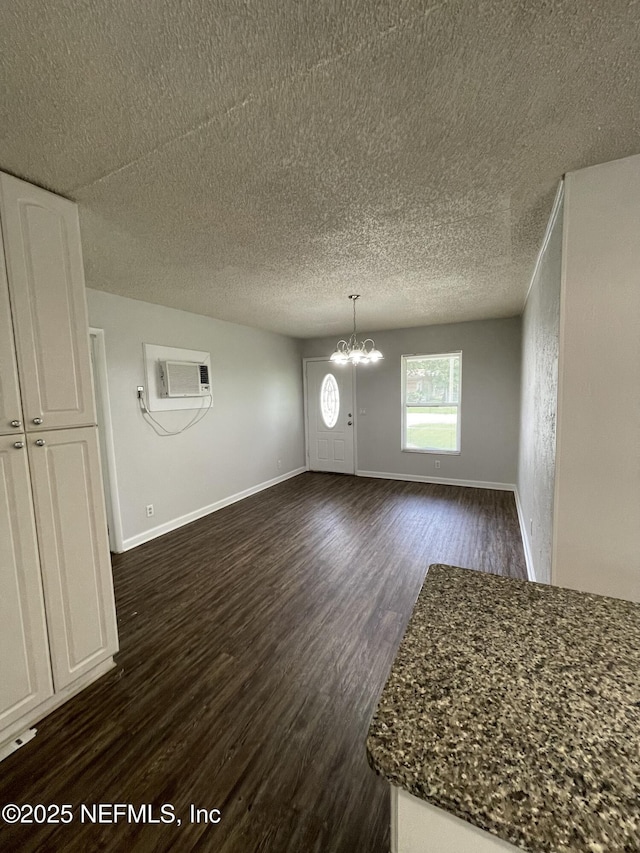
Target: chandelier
353, 351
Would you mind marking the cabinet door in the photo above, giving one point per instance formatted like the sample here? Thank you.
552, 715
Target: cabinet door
46, 282
10, 408
25, 675
76, 565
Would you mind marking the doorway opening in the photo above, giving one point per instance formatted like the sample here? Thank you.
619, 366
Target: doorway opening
105, 438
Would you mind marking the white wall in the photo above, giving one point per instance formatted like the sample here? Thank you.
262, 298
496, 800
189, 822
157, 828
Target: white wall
490, 401
256, 419
597, 497
539, 399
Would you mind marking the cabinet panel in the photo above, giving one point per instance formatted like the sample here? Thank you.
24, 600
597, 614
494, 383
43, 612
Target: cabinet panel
46, 282
25, 675
10, 407
76, 565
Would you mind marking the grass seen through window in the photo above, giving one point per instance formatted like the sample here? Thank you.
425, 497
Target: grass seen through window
432, 427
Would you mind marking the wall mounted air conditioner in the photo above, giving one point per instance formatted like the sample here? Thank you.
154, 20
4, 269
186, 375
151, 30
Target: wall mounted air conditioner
184, 379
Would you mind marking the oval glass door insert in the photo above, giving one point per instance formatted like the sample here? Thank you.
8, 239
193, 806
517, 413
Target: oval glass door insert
329, 401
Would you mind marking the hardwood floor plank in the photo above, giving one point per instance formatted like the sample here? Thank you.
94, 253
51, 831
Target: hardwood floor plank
254, 645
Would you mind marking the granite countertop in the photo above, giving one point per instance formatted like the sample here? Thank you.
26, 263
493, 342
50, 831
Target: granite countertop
516, 707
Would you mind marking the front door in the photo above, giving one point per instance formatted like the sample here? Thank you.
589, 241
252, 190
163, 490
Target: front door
330, 421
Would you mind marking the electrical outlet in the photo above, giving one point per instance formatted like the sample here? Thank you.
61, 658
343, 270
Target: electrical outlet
437, 463
279, 464
362, 411
149, 510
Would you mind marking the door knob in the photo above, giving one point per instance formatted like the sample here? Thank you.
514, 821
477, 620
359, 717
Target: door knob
16, 424
18, 445
37, 421
40, 442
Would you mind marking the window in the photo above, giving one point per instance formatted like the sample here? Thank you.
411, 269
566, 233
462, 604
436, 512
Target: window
329, 401
431, 402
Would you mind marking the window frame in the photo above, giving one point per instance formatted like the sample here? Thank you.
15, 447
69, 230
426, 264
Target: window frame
403, 372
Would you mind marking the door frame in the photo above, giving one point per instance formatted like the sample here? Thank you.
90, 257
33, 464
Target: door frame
354, 432
103, 404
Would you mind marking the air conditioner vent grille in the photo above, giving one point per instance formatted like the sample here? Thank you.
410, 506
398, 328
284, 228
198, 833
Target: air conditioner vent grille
184, 379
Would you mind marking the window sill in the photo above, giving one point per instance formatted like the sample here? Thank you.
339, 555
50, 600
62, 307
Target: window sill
432, 452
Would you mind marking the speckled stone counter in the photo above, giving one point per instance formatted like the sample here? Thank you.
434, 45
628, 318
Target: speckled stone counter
516, 706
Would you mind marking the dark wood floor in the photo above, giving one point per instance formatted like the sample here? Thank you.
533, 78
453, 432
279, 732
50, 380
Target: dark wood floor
254, 644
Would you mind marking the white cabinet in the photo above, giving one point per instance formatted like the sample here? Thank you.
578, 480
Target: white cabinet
419, 827
25, 674
57, 614
10, 407
46, 284
76, 568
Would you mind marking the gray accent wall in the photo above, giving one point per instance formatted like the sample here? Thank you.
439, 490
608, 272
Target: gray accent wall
539, 401
256, 419
490, 401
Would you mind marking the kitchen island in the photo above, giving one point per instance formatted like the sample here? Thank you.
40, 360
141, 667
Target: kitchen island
511, 720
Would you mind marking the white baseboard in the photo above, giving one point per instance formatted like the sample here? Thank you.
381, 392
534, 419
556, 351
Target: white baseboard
175, 523
418, 478
526, 543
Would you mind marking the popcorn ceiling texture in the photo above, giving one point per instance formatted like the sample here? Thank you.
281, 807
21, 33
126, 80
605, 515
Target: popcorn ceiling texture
259, 161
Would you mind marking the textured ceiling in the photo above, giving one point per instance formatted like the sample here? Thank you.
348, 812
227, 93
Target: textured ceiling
259, 160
